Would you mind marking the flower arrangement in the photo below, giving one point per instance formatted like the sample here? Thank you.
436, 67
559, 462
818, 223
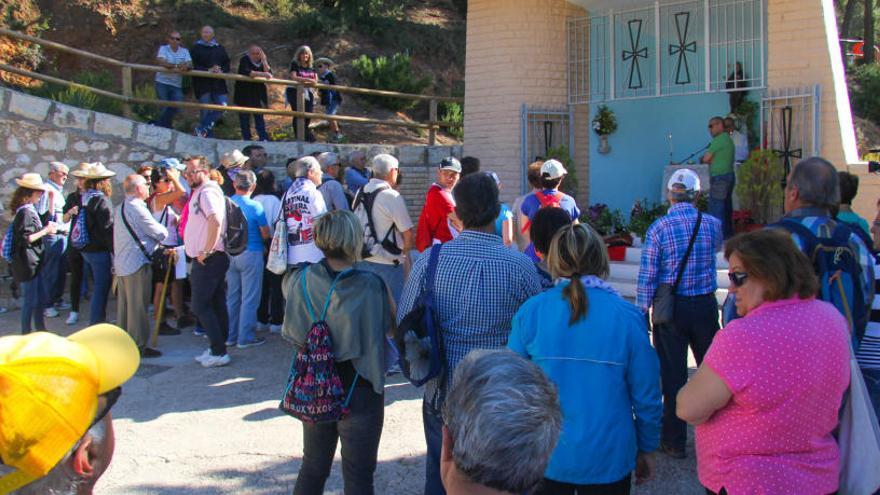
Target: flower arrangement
643, 214
605, 221
604, 123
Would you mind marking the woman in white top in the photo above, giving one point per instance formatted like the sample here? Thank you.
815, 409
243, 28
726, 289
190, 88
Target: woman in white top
270, 314
167, 190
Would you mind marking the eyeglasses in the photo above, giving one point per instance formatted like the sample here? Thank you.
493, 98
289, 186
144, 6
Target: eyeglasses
737, 278
110, 399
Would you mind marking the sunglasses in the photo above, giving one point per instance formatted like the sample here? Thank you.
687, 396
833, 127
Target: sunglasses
737, 278
175, 39
110, 399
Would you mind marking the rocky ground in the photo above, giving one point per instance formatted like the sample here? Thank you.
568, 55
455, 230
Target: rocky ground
183, 429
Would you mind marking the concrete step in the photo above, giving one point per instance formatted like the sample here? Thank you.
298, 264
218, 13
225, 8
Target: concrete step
634, 255
622, 270
627, 289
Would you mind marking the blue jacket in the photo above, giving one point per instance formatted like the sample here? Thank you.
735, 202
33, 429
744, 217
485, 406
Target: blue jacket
606, 372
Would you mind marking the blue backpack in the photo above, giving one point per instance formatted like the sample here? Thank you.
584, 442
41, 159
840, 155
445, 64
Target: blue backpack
418, 339
840, 274
315, 392
6, 246
79, 232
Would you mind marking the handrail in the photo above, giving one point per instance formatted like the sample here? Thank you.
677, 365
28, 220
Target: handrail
127, 90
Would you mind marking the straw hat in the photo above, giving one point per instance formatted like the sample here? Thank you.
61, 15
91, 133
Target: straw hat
234, 158
95, 170
31, 181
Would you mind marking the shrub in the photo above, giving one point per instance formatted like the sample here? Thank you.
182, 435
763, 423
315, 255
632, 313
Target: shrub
759, 185
570, 182
84, 98
452, 112
393, 74
604, 220
643, 214
142, 111
864, 91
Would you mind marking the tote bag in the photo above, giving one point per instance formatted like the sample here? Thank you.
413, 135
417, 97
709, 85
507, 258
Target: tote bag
859, 439
277, 259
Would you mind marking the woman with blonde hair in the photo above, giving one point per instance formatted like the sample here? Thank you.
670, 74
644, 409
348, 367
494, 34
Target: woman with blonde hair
302, 70
594, 346
357, 308
27, 248
92, 233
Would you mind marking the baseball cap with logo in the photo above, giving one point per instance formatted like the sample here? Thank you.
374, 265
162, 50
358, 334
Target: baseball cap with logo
49, 394
553, 169
686, 178
450, 163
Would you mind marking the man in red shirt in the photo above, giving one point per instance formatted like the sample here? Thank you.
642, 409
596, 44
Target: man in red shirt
438, 223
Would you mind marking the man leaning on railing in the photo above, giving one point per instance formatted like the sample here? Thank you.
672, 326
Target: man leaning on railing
209, 55
169, 87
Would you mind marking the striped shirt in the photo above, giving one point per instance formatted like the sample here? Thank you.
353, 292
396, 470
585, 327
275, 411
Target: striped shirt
868, 354
479, 286
665, 245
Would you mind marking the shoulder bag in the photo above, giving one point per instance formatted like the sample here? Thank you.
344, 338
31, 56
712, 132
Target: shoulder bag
664, 297
158, 259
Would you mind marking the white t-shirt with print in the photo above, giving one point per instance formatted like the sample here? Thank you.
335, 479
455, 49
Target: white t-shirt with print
301, 204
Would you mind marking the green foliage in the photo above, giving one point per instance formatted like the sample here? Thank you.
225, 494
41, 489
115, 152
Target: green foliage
146, 113
747, 113
864, 91
393, 74
604, 220
312, 17
643, 214
84, 98
452, 112
604, 123
570, 182
759, 185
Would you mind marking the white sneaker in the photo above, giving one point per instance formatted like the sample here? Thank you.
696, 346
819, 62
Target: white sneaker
72, 318
215, 361
275, 328
62, 306
201, 357
50, 312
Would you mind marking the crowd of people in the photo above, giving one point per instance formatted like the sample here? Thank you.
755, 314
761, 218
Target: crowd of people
543, 378
207, 54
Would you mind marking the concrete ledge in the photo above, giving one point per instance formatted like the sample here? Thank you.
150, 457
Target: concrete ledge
154, 136
111, 125
29, 107
72, 117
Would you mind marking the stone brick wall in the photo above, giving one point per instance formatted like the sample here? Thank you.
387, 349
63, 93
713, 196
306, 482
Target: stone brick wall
516, 55
35, 131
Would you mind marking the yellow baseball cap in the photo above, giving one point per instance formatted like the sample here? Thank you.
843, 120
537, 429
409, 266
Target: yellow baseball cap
49, 388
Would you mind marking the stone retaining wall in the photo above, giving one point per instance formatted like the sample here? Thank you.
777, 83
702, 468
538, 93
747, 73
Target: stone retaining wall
35, 131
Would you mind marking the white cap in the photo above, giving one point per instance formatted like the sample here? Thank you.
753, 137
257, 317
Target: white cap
553, 169
328, 159
686, 178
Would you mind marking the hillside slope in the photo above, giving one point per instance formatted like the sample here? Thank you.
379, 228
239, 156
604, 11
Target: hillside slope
431, 31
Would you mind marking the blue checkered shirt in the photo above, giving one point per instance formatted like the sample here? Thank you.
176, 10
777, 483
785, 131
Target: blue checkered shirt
479, 286
665, 244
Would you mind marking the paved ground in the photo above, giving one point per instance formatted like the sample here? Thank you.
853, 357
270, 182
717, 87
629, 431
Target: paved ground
182, 429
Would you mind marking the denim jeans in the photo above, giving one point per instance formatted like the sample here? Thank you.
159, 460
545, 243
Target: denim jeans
721, 201
207, 118
99, 264
392, 275
52, 269
244, 120
32, 305
359, 434
208, 283
695, 323
168, 92
77, 281
271, 309
433, 425
872, 383
244, 279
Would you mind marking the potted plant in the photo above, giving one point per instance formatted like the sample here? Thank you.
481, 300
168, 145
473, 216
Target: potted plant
642, 215
604, 123
759, 186
610, 225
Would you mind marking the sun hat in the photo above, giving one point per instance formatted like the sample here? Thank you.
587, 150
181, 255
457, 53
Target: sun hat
49, 394
31, 181
234, 158
324, 61
95, 170
450, 163
171, 163
686, 178
553, 169
328, 159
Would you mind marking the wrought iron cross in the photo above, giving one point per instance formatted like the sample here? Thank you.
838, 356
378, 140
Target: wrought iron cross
635, 52
682, 47
786, 153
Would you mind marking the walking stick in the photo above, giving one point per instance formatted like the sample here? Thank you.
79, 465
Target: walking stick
172, 260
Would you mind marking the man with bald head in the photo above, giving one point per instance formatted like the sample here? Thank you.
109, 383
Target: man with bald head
209, 55
135, 235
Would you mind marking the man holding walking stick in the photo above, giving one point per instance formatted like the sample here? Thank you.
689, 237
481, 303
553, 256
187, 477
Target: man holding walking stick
136, 235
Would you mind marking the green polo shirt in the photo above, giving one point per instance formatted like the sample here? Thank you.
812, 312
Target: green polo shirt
722, 150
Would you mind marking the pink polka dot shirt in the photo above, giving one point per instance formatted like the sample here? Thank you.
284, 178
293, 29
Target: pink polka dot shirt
787, 365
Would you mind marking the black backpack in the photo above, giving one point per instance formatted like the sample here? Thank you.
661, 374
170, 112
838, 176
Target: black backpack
235, 238
365, 215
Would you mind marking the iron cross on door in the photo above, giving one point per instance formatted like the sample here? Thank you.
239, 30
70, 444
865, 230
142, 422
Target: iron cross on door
682, 26
635, 52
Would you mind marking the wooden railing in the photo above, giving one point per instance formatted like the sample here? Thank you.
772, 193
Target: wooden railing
127, 91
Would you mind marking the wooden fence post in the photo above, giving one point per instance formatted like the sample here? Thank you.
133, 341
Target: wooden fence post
127, 91
300, 106
432, 117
